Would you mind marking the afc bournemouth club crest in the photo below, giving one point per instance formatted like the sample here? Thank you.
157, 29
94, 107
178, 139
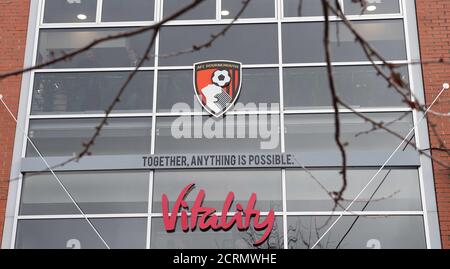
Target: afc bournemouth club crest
217, 85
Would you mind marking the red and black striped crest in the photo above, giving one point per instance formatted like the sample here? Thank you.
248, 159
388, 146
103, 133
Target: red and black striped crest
217, 85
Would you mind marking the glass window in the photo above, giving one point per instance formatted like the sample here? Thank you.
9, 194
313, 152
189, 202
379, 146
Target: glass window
124, 52
258, 86
57, 11
304, 8
65, 93
231, 134
217, 184
65, 137
129, 10
385, 36
203, 11
77, 233
373, 7
351, 232
232, 239
312, 136
249, 44
255, 9
95, 193
358, 86
175, 86
393, 189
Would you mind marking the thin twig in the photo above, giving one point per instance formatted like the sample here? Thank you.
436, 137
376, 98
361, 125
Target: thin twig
335, 100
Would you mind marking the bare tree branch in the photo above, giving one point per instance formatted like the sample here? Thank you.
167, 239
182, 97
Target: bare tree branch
335, 100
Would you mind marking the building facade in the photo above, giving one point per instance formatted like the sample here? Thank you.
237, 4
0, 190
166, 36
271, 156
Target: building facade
283, 109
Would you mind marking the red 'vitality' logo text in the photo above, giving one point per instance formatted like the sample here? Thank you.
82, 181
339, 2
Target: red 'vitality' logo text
205, 218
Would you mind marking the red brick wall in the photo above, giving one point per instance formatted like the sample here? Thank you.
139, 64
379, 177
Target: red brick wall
434, 34
13, 31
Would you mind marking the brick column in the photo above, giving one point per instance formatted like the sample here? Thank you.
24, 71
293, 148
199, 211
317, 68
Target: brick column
13, 31
434, 33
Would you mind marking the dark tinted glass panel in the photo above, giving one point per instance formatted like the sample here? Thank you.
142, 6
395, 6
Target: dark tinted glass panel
391, 190
210, 135
203, 11
217, 184
255, 9
124, 52
258, 86
64, 93
129, 10
77, 233
95, 193
71, 11
364, 232
358, 86
386, 37
303, 8
174, 87
65, 137
372, 7
249, 44
232, 239
312, 136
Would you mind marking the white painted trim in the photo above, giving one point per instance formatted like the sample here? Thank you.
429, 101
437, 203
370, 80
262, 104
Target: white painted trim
90, 116
81, 70
149, 210
264, 213
426, 173
98, 15
153, 135
342, 110
218, 10
78, 216
356, 213
323, 213
233, 112
282, 127
245, 66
